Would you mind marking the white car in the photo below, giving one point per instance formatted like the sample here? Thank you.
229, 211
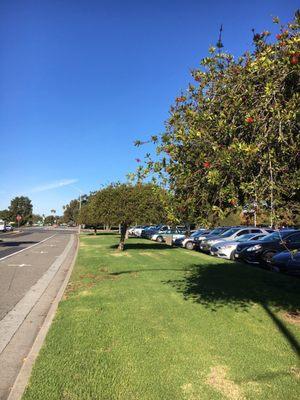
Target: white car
130, 230
161, 235
136, 230
227, 249
2, 226
188, 242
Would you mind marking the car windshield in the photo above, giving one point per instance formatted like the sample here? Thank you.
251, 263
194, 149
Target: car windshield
272, 237
216, 231
258, 237
244, 238
230, 232
197, 233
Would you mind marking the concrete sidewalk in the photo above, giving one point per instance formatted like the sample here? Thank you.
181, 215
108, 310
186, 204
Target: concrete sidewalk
23, 320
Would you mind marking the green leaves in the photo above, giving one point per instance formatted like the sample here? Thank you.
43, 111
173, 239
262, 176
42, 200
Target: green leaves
126, 204
243, 119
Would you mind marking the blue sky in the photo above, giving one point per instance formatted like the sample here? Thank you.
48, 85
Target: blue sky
81, 80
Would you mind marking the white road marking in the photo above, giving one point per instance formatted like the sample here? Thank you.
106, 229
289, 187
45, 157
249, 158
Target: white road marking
29, 247
40, 252
14, 318
19, 265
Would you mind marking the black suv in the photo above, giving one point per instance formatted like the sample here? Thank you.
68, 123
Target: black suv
263, 250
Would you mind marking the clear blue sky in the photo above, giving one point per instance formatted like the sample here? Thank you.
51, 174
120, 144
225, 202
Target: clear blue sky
80, 80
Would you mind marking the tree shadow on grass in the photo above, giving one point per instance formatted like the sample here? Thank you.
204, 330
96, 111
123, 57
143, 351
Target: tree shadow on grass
239, 286
137, 271
101, 233
143, 246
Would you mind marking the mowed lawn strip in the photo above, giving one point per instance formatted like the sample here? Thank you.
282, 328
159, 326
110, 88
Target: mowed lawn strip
155, 323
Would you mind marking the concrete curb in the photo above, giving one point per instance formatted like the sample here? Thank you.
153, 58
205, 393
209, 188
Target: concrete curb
23, 377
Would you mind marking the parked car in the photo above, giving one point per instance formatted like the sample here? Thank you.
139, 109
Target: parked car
8, 228
137, 231
189, 242
215, 232
131, 229
227, 249
151, 230
287, 262
161, 235
229, 235
263, 251
147, 228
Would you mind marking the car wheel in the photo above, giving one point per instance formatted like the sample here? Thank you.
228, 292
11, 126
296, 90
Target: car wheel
189, 245
232, 255
159, 239
267, 256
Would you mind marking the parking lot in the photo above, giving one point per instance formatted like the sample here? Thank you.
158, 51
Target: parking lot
273, 249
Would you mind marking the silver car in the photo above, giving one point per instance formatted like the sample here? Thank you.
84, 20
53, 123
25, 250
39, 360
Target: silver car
230, 235
227, 249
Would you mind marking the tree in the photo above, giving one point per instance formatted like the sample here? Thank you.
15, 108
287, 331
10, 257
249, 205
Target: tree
71, 212
36, 218
21, 206
49, 220
233, 137
125, 204
87, 216
5, 215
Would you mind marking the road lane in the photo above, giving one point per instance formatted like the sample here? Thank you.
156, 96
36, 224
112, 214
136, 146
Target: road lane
29, 283
21, 270
13, 243
29, 246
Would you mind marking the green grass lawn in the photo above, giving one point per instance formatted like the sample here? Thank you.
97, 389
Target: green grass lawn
155, 323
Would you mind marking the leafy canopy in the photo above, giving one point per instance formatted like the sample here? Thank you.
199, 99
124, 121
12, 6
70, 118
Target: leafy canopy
233, 137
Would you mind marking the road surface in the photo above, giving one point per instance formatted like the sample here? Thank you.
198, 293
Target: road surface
33, 265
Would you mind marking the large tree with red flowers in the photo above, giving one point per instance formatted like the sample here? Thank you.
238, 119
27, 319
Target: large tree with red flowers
232, 139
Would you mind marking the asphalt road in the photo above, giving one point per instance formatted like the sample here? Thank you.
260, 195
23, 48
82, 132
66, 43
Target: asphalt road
24, 258
13, 242
33, 264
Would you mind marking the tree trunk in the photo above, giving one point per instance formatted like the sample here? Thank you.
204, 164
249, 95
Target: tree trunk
188, 229
95, 231
123, 231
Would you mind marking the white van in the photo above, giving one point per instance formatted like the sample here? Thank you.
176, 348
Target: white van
2, 225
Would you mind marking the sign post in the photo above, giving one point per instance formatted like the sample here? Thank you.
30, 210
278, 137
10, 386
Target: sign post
18, 218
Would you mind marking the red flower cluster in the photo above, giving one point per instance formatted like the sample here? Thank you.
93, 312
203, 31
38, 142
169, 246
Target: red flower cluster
250, 120
206, 164
282, 35
294, 58
180, 99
